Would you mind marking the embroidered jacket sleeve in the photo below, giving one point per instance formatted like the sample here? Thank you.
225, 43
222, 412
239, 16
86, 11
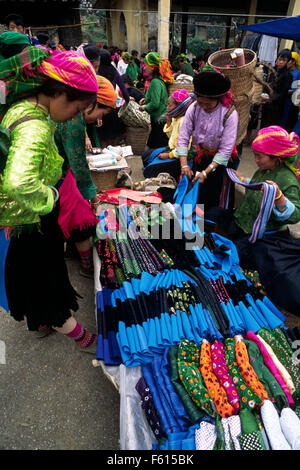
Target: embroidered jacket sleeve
70, 138
33, 164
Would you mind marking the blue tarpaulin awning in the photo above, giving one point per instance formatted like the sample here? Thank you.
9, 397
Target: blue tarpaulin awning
285, 28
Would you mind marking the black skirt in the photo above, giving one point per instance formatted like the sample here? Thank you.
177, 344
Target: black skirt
157, 138
36, 277
173, 168
210, 190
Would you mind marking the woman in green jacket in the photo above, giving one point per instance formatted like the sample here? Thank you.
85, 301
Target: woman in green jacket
70, 139
59, 86
274, 253
156, 98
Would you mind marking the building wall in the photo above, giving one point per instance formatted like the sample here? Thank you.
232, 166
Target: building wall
138, 35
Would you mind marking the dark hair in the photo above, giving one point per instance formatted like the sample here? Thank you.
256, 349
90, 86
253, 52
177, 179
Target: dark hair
143, 55
140, 85
285, 53
106, 69
92, 52
105, 57
17, 19
51, 86
42, 37
199, 57
133, 52
127, 79
156, 73
9, 50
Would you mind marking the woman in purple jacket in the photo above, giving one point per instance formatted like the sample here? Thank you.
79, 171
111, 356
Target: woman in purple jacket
212, 123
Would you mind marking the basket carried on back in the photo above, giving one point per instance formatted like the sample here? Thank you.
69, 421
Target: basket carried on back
137, 138
241, 77
189, 87
258, 87
242, 84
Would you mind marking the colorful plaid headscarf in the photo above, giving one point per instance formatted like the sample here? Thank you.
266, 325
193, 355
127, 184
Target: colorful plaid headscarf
72, 69
24, 72
184, 100
17, 75
155, 60
276, 141
106, 94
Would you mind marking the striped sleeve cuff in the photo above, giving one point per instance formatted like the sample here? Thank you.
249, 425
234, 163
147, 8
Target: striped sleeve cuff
221, 159
182, 151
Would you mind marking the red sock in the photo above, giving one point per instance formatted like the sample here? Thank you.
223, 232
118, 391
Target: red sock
81, 336
86, 260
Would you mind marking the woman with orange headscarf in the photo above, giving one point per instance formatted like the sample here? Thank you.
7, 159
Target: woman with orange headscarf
71, 141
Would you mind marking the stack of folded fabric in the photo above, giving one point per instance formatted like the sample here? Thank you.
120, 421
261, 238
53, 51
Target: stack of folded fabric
218, 366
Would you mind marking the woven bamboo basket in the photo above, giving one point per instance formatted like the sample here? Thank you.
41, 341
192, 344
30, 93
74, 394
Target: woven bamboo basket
258, 88
242, 104
180, 86
137, 138
241, 77
105, 179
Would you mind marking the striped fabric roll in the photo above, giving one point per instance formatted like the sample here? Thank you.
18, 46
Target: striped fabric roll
259, 226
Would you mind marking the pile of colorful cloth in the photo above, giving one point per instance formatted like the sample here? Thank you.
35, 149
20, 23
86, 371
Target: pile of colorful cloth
217, 366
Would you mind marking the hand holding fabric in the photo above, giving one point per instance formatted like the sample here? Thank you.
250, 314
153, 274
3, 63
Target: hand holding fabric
164, 156
200, 176
186, 171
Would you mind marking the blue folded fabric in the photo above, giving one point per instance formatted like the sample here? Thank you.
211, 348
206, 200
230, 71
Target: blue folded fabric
213, 333
180, 192
4, 245
188, 332
175, 440
274, 309
202, 322
167, 419
234, 328
179, 325
249, 322
154, 160
161, 370
227, 258
272, 320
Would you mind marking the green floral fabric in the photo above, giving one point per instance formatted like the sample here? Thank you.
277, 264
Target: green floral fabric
284, 353
248, 398
191, 408
273, 388
189, 374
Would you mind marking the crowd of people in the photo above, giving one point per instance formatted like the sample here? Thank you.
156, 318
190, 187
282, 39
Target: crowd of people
61, 103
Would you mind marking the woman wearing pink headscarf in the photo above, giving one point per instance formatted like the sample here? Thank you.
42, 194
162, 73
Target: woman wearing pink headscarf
58, 86
276, 255
166, 160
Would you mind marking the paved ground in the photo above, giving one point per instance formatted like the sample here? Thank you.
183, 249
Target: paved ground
51, 397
